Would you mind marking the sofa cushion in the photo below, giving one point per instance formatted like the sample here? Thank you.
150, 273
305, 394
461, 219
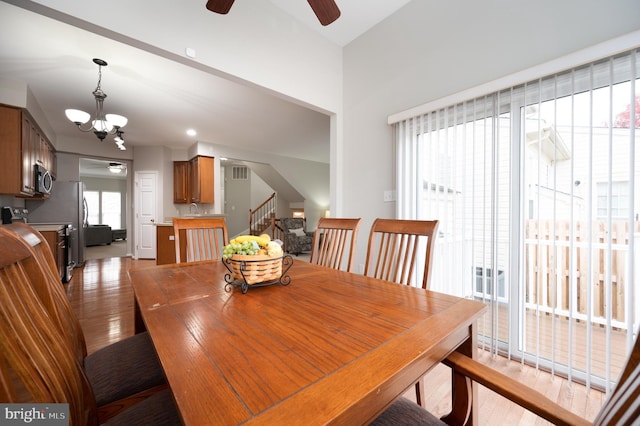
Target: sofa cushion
299, 232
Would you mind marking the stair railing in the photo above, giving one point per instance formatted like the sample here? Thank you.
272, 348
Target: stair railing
260, 218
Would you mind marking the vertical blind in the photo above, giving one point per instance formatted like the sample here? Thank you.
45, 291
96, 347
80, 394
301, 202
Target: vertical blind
535, 189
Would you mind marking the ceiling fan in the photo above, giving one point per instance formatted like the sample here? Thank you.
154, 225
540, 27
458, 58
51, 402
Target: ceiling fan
116, 167
326, 10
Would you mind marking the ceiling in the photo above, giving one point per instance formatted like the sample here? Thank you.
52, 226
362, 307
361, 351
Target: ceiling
54, 59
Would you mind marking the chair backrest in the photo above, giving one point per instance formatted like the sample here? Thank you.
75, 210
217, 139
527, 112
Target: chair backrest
333, 237
36, 364
48, 286
393, 248
623, 405
199, 238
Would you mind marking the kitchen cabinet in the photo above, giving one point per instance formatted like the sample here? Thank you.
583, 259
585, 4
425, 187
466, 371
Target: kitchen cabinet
56, 241
201, 179
181, 192
193, 180
165, 244
22, 146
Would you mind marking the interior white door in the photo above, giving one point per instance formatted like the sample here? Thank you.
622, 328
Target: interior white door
146, 214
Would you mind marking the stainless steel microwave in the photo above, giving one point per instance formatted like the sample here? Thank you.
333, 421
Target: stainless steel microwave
44, 181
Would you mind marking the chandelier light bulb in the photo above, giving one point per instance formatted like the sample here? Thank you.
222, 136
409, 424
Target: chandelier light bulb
102, 126
116, 120
77, 116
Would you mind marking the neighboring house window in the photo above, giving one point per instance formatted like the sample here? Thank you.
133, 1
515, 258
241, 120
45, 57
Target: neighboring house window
535, 187
619, 200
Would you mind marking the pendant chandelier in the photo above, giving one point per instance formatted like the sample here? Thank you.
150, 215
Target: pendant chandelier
102, 125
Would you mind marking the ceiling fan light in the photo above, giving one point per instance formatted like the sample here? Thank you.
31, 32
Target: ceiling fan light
76, 116
116, 120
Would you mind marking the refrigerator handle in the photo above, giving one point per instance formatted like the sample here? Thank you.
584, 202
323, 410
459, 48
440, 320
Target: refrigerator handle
85, 212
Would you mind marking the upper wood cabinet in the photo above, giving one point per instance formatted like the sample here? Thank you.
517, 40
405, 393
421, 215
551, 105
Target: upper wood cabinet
22, 146
201, 179
193, 181
181, 191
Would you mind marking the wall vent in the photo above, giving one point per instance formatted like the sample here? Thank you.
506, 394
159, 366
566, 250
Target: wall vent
240, 173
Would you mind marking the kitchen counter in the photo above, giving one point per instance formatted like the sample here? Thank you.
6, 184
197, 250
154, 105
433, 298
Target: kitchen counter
168, 221
48, 227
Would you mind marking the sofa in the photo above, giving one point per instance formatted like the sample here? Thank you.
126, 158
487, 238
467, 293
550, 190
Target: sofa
95, 235
296, 238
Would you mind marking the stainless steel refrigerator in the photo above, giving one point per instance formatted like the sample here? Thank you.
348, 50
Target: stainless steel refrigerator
65, 205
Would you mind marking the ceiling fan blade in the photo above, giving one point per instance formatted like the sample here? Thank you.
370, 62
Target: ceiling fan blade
326, 10
220, 6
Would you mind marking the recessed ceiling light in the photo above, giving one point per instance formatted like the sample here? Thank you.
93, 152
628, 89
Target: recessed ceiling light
191, 132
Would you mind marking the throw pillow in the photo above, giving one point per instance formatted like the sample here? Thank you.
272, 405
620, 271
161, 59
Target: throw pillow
298, 231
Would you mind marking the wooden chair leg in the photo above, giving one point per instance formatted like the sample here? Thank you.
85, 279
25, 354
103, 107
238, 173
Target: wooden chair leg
419, 394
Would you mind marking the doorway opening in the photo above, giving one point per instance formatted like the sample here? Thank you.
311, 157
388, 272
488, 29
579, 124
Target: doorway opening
106, 195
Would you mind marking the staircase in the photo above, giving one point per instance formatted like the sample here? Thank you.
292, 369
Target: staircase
262, 219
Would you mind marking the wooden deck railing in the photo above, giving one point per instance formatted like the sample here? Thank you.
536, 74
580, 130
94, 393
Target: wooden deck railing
599, 262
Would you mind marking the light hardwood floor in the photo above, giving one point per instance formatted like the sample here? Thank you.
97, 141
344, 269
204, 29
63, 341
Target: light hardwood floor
102, 297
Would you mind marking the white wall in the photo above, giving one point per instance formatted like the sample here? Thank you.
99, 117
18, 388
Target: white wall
430, 49
238, 193
309, 178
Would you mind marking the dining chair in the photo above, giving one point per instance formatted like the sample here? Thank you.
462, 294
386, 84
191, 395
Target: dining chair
333, 238
392, 255
36, 363
394, 245
622, 407
121, 374
199, 238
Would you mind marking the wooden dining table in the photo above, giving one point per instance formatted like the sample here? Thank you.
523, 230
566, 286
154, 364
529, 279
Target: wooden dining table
331, 347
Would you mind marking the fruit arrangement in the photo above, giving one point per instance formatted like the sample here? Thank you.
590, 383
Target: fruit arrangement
252, 245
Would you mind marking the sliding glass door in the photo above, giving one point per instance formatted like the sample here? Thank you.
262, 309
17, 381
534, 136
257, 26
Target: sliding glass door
536, 187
